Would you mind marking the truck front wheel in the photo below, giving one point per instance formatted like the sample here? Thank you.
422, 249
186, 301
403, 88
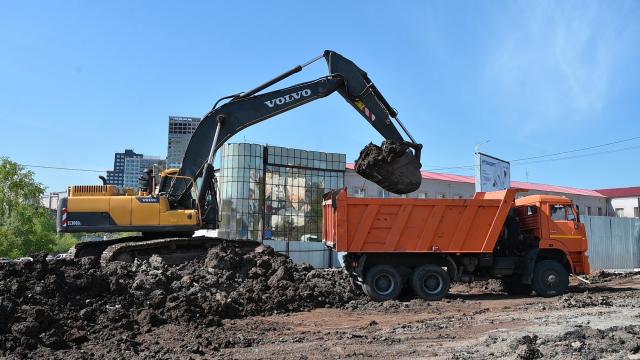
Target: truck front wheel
430, 282
550, 278
382, 283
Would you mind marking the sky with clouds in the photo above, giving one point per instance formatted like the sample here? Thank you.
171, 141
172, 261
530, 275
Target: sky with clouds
80, 81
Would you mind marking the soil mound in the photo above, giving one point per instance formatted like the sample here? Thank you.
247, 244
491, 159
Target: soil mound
64, 304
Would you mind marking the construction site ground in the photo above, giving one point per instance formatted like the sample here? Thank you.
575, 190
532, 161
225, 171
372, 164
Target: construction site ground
475, 322
256, 304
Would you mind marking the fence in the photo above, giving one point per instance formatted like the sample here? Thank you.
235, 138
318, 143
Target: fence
614, 243
313, 253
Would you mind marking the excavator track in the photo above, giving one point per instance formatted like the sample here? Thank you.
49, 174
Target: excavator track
96, 248
171, 250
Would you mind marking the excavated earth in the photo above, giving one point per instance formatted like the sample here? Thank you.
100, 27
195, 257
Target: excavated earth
391, 166
258, 304
75, 309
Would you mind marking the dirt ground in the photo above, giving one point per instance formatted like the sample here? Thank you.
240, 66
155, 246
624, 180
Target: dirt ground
591, 322
258, 305
599, 321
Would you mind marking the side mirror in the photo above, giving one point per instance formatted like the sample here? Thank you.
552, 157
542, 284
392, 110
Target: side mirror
577, 214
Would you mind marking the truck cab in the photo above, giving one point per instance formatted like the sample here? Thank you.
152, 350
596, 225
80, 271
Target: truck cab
555, 221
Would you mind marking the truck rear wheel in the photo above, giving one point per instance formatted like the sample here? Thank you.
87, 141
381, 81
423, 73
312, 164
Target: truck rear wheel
382, 283
550, 278
430, 282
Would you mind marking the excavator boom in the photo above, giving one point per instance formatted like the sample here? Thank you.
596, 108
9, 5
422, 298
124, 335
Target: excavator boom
399, 174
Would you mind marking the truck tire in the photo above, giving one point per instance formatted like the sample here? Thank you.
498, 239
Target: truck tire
550, 278
382, 283
430, 282
516, 288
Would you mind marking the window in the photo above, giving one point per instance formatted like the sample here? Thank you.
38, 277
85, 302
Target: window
588, 210
532, 210
422, 195
635, 212
619, 212
441, 196
383, 194
599, 211
359, 192
557, 213
562, 213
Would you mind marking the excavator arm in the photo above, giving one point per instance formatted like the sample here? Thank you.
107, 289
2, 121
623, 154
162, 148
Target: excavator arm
401, 175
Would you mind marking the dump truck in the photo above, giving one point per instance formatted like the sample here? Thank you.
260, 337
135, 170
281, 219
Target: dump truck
532, 243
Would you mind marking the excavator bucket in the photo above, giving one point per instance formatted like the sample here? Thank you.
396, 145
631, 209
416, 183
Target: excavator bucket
394, 167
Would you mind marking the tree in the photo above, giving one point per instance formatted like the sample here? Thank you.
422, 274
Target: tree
25, 226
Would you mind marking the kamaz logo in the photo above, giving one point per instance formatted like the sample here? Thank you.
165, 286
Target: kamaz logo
288, 98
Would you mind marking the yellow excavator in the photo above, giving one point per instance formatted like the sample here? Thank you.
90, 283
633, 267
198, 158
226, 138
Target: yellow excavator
170, 206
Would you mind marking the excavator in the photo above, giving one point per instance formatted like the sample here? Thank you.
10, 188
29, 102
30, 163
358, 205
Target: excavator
171, 205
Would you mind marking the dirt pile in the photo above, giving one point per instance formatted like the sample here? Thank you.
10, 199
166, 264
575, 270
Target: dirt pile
600, 276
583, 300
582, 342
491, 286
392, 166
71, 304
589, 343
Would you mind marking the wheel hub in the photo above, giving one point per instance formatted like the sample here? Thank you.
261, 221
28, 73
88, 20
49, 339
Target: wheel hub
432, 284
383, 284
551, 279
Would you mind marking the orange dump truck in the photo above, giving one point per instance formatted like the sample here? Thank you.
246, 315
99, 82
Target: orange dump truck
532, 243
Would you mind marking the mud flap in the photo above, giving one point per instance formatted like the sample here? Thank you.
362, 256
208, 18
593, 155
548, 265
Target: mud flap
393, 167
529, 266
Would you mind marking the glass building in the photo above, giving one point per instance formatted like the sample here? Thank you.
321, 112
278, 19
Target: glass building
271, 192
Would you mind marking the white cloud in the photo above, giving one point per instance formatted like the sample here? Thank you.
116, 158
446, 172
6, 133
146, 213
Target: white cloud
554, 62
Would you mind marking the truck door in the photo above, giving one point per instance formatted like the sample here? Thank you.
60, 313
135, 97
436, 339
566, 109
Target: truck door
563, 224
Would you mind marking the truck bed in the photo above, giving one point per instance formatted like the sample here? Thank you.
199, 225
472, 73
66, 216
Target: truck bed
375, 225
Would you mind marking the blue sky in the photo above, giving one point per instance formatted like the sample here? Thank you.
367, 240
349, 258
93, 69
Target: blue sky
82, 80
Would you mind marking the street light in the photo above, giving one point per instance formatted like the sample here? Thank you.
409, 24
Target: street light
477, 147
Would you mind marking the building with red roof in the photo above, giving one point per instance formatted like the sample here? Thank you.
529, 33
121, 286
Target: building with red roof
453, 186
624, 202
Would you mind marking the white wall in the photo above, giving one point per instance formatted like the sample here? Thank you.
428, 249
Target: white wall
627, 204
431, 188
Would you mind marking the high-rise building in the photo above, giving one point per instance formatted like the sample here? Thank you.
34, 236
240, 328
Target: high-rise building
128, 166
180, 130
134, 166
116, 177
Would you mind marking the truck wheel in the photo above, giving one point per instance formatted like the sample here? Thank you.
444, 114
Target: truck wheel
430, 282
515, 287
382, 283
550, 278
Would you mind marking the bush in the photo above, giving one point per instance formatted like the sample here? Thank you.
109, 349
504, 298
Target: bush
25, 226
64, 243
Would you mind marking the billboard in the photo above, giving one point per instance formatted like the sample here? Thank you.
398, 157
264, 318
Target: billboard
492, 173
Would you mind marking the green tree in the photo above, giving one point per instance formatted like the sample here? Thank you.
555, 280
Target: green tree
25, 226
